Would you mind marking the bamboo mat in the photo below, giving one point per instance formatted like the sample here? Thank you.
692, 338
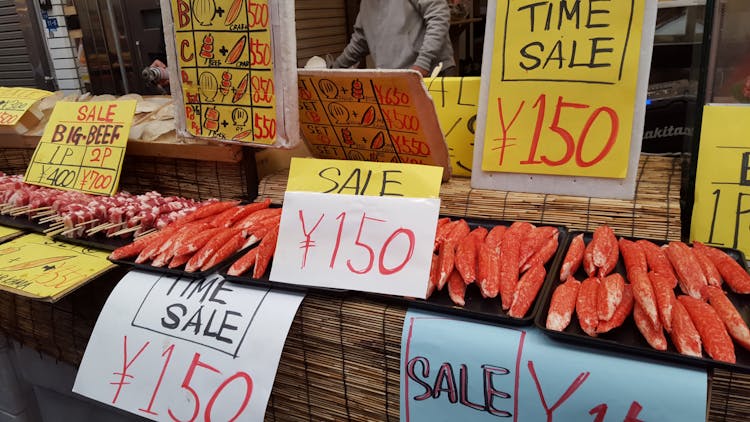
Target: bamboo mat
654, 214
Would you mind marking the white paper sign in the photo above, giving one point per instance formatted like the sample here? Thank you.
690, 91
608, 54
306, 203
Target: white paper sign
365, 243
169, 348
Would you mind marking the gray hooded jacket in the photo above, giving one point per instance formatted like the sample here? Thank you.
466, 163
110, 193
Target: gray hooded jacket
400, 34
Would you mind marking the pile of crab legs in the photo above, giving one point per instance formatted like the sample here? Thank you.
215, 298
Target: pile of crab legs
674, 288
209, 236
504, 261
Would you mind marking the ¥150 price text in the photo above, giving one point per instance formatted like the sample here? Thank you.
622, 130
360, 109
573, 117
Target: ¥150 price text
374, 252
572, 140
127, 378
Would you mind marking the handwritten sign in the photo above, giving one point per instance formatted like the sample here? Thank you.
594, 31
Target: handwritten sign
225, 55
364, 178
168, 348
38, 267
456, 101
82, 147
457, 370
565, 92
370, 115
722, 183
358, 225
14, 102
7, 233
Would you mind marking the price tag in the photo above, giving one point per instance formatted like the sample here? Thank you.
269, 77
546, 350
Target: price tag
456, 101
82, 147
168, 348
382, 115
722, 183
373, 230
14, 102
38, 267
457, 370
565, 95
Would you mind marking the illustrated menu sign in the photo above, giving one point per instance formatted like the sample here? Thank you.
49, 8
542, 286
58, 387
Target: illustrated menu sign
370, 115
453, 369
228, 69
721, 213
456, 102
82, 147
14, 102
168, 348
41, 268
565, 90
359, 226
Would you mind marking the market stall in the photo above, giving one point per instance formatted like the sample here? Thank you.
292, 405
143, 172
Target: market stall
528, 259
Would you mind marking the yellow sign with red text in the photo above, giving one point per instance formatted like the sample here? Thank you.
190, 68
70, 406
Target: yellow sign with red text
561, 99
82, 147
14, 102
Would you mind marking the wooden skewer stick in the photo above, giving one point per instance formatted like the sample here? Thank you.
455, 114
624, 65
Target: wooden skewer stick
69, 231
54, 233
50, 218
87, 222
146, 233
102, 227
40, 209
44, 214
123, 231
55, 228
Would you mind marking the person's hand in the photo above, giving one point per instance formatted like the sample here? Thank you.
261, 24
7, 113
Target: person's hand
158, 63
422, 71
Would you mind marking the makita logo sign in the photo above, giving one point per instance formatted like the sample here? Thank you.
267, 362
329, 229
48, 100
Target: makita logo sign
667, 132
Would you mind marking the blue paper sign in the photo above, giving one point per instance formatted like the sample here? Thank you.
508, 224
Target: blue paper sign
454, 370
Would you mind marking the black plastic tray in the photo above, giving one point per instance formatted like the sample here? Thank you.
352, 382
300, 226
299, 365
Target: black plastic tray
627, 338
476, 306
23, 223
265, 281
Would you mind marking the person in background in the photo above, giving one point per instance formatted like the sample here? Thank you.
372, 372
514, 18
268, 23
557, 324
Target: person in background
402, 34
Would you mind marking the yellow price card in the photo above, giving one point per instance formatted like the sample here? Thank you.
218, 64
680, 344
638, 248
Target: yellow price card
38, 267
7, 233
456, 100
14, 102
721, 213
225, 55
82, 147
563, 87
364, 178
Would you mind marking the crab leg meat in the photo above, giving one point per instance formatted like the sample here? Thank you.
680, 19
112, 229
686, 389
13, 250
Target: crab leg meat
434, 275
621, 313
633, 255
466, 254
736, 277
610, 293
586, 308
732, 319
266, 249
495, 237
711, 329
653, 333
562, 305
573, 258
713, 277
537, 238
544, 254
242, 265
684, 335
665, 298
527, 290
657, 260
689, 273
643, 293
448, 251
510, 251
456, 288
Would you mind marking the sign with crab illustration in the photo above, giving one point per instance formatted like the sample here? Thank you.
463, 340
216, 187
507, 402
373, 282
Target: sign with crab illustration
38, 267
370, 115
